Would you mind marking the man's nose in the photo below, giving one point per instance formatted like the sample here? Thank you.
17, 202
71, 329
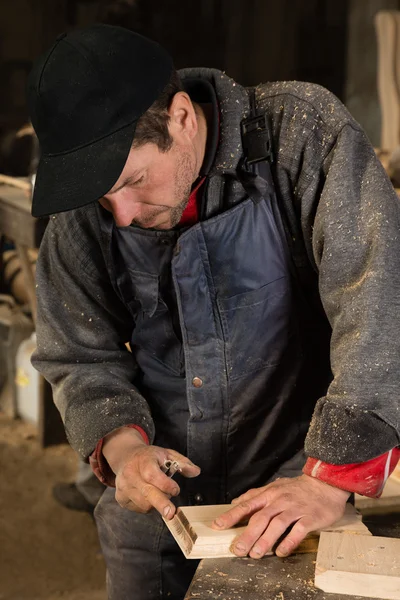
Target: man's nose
123, 210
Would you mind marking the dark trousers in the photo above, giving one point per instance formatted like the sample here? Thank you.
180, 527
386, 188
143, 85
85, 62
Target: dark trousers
143, 560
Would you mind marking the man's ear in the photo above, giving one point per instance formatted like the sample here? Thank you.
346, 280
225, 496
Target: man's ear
183, 120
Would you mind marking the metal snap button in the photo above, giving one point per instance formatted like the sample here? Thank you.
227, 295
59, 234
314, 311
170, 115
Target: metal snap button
197, 382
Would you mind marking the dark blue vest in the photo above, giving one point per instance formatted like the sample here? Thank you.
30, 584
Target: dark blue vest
227, 360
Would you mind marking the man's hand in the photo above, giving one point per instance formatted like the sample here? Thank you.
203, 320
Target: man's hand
140, 483
303, 502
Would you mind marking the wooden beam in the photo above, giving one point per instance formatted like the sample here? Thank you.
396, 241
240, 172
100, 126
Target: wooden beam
191, 528
358, 565
387, 24
22, 184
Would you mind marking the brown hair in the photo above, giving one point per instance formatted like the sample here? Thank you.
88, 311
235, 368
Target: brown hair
152, 127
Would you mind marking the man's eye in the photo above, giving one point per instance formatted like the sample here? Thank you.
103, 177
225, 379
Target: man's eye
138, 180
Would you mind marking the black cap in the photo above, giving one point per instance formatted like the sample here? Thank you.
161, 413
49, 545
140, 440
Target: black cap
85, 96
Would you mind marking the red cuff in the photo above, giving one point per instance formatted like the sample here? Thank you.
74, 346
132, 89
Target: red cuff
100, 466
367, 478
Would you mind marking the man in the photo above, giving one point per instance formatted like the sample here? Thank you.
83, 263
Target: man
172, 238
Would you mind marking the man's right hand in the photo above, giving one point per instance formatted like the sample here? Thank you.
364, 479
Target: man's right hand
140, 483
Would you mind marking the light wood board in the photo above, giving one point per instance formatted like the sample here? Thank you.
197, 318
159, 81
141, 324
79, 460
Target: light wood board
358, 565
191, 528
387, 25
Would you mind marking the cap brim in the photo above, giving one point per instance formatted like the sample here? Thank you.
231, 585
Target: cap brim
67, 181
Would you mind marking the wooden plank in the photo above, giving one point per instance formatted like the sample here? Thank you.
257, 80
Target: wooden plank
387, 30
22, 184
191, 528
358, 565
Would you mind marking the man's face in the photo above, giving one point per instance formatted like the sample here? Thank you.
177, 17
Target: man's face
154, 187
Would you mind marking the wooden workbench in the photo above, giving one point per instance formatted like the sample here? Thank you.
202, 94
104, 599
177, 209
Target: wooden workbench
272, 578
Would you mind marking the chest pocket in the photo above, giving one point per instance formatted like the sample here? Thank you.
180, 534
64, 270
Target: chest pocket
153, 331
259, 327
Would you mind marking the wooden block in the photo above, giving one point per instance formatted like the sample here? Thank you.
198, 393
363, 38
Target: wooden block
351, 522
22, 184
387, 28
383, 156
358, 565
191, 528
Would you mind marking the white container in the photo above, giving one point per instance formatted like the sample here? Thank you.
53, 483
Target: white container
27, 381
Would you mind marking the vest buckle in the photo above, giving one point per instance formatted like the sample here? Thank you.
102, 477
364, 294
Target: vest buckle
256, 139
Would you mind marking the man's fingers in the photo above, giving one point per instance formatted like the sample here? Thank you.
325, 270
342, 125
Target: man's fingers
158, 500
146, 487
189, 470
146, 497
142, 484
151, 473
265, 529
295, 536
136, 505
240, 512
276, 528
243, 510
256, 527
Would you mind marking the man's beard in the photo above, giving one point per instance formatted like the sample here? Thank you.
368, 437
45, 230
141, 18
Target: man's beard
183, 181
183, 186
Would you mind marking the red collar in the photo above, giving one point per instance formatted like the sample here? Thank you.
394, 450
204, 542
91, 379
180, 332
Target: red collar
190, 215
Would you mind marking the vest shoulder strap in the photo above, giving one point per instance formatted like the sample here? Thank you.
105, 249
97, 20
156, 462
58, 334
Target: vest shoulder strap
258, 150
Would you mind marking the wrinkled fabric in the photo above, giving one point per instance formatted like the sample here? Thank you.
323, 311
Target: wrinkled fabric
368, 478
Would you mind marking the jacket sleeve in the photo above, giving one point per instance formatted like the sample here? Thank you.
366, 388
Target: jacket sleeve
366, 478
351, 218
82, 329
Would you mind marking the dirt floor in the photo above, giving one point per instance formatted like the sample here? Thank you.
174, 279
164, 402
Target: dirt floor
47, 552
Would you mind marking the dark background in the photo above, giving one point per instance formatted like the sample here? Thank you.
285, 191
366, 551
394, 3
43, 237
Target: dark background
331, 42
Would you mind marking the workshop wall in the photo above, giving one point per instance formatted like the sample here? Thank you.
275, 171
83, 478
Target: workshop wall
26, 28
361, 92
331, 42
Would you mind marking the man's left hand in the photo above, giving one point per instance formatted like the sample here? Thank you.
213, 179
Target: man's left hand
302, 503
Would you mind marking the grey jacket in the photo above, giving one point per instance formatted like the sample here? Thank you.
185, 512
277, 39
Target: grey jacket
340, 208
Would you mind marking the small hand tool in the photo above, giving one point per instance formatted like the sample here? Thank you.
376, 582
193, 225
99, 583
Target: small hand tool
170, 467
